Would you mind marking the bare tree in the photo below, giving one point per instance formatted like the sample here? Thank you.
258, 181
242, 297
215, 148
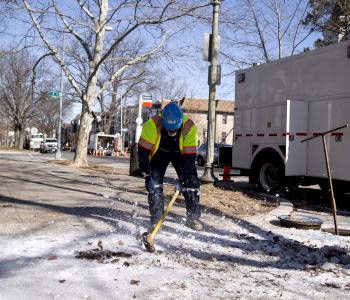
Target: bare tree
264, 30
16, 93
46, 116
128, 83
85, 23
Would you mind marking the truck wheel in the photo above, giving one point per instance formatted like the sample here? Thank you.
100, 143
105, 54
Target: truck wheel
270, 175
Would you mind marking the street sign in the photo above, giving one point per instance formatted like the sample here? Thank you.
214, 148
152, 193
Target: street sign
139, 121
54, 94
124, 129
34, 130
146, 100
207, 46
146, 97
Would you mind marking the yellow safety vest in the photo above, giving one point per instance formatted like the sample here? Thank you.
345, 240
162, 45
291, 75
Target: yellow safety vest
151, 134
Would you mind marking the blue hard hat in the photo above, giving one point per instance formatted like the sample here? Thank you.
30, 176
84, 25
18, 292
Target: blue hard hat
172, 116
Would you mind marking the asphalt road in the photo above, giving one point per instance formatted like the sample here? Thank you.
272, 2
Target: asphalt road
123, 162
310, 196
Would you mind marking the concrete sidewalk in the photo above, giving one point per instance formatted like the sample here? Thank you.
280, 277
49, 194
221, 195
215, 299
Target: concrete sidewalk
49, 211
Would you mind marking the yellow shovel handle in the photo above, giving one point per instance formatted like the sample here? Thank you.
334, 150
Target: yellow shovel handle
165, 213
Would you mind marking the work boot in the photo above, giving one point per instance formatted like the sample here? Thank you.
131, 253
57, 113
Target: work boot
193, 210
156, 204
194, 224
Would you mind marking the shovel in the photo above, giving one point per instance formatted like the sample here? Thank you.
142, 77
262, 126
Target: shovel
148, 238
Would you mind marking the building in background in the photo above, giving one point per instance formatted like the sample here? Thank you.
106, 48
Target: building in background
197, 109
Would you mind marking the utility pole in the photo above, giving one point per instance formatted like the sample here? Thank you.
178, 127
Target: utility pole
58, 152
121, 124
214, 73
139, 121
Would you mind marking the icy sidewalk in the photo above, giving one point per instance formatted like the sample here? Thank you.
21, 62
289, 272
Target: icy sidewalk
232, 259
43, 228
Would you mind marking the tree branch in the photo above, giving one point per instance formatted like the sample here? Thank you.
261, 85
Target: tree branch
72, 31
130, 63
53, 50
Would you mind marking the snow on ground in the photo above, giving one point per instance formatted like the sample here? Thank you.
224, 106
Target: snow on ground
233, 258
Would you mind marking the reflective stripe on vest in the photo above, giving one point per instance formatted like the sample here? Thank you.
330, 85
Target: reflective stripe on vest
186, 129
157, 123
146, 145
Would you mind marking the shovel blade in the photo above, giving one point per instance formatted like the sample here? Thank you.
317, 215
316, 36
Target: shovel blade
148, 242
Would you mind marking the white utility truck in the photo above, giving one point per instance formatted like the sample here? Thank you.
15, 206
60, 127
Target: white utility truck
279, 104
35, 141
99, 141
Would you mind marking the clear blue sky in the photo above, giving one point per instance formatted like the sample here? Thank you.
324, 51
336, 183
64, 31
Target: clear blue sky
191, 69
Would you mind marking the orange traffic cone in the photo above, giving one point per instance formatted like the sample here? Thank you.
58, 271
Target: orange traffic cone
226, 176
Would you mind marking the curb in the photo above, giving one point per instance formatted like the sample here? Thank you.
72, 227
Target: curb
285, 208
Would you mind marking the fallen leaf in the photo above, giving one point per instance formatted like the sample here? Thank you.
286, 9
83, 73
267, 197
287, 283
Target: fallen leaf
126, 264
51, 257
62, 280
121, 243
132, 281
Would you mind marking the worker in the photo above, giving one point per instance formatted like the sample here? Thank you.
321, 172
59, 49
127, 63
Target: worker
170, 137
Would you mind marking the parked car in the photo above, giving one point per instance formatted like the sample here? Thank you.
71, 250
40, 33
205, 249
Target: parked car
202, 153
49, 145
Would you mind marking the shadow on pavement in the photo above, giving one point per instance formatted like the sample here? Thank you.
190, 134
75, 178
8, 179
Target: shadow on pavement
285, 253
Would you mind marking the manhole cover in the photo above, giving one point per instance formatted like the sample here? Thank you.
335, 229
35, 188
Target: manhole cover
300, 222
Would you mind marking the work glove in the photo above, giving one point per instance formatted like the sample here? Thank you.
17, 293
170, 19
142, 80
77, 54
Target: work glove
179, 187
149, 184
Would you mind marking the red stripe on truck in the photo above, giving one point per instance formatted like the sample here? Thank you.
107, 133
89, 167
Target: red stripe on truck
301, 134
272, 134
337, 133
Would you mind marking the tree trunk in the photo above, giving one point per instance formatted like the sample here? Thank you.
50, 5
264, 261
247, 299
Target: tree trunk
15, 137
20, 138
80, 158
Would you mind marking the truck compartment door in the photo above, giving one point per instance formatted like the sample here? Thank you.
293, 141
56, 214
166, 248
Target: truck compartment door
296, 130
241, 153
326, 115
340, 141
